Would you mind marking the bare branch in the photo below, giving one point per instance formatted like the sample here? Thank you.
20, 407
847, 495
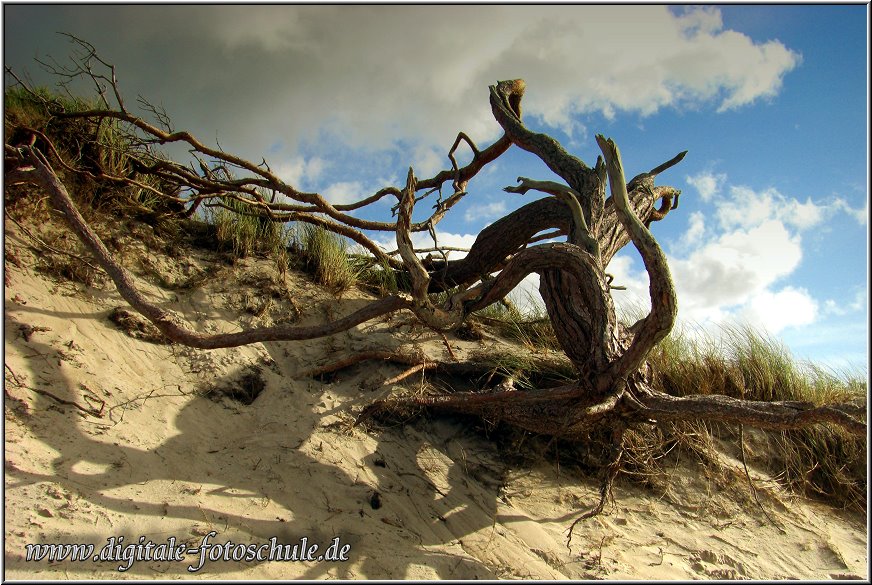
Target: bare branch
167, 322
438, 318
505, 97
579, 232
668, 164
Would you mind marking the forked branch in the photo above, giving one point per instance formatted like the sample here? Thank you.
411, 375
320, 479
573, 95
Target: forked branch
438, 318
579, 233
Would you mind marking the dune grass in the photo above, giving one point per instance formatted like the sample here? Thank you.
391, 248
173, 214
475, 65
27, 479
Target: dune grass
743, 362
735, 360
327, 258
376, 276
97, 146
244, 232
531, 327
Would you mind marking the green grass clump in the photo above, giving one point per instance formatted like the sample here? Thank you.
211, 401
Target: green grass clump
376, 276
327, 258
745, 363
93, 145
241, 229
34, 109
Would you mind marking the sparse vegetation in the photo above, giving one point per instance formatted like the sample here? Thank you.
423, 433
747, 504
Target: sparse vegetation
737, 361
97, 148
531, 328
742, 362
375, 276
527, 369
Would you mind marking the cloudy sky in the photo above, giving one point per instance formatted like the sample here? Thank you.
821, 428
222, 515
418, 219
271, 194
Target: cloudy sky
770, 101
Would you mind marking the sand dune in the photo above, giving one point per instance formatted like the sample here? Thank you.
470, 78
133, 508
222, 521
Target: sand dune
157, 448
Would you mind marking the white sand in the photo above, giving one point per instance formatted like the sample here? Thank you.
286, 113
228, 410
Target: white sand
164, 461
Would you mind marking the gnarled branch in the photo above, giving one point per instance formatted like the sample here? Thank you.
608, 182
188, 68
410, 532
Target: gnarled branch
36, 169
664, 303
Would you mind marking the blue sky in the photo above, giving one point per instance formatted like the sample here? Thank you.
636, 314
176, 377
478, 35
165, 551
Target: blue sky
770, 101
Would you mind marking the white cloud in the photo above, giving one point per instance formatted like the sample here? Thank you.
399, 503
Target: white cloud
861, 301
298, 170
775, 311
733, 275
832, 307
427, 161
731, 269
857, 304
299, 71
861, 215
526, 296
745, 207
760, 76
634, 301
485, 212
707, 184
737, 268
695, 230
706, 20
344, 192
424, 241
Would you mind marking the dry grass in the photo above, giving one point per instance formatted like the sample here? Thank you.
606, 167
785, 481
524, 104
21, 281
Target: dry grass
531, 328
737, 361
527, 370
96, 146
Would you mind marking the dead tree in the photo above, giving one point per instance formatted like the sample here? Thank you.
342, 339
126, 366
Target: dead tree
612, 390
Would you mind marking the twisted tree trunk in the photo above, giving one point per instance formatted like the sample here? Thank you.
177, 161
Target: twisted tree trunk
612, 389
574, 285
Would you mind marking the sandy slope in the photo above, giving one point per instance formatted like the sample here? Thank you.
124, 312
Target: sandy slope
170, 457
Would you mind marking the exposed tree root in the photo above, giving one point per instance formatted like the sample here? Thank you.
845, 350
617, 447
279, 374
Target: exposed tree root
609, 473
568, 412
468, 369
